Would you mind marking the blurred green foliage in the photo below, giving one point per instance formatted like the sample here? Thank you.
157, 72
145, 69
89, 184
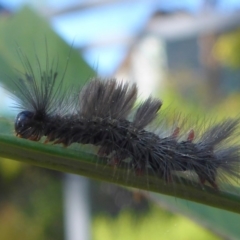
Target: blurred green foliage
227, 49
156, 224
31, 205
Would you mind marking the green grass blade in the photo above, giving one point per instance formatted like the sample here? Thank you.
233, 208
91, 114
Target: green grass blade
89, 165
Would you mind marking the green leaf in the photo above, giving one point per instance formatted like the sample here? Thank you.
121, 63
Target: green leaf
34, 37
89, 165
224, 223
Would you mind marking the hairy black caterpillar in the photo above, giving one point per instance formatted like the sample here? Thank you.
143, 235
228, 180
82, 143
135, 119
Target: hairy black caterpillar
98, 114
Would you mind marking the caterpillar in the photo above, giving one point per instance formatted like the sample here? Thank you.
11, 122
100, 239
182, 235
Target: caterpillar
98, 114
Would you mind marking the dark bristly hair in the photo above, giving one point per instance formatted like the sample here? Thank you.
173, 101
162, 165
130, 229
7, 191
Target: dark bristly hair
100, 116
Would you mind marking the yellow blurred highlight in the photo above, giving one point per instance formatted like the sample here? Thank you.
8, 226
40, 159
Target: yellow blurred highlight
156, 224
9, 168
227, 49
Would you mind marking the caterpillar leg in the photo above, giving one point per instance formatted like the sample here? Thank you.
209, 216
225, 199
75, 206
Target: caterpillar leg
210, 178
104, 151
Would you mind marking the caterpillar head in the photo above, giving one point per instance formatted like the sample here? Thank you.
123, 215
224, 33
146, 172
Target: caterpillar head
29, 125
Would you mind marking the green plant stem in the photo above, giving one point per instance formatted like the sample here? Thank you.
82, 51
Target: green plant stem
89, 165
